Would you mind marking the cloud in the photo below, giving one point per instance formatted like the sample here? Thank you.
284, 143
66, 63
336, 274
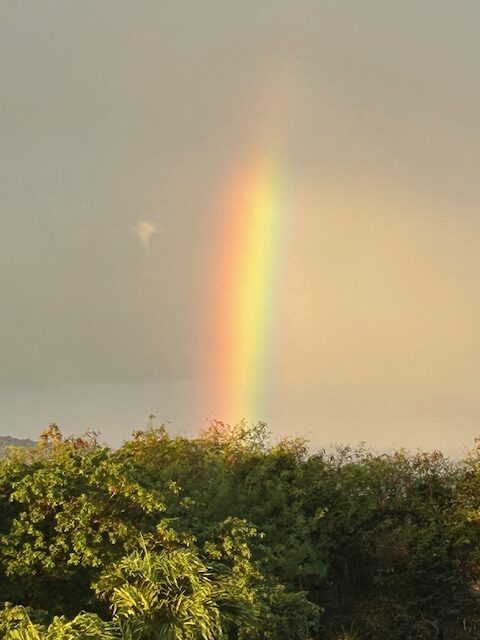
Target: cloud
145, 230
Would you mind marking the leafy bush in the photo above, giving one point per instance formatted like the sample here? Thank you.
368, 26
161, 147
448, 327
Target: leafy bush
230, 536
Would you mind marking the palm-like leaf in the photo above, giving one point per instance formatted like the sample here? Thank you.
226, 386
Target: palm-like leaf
172, 596
85, 626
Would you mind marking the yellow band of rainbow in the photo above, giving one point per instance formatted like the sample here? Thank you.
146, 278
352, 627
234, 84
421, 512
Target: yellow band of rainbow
245, 288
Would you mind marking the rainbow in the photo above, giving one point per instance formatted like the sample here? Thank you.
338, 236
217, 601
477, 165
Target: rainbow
245, 289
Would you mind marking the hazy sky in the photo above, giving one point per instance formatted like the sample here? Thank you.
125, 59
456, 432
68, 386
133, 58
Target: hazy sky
122, 122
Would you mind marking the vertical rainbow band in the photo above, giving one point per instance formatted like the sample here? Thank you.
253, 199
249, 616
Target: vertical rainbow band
246, 290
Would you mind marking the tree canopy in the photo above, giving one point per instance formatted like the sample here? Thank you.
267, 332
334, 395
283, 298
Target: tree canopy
231, 536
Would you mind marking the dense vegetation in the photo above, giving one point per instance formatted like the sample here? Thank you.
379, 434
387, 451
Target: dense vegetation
228, 537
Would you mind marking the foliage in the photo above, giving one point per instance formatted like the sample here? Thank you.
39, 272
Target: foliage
231, 536
174, 594
67, 509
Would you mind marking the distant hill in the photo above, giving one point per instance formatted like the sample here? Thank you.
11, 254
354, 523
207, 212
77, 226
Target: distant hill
10, 441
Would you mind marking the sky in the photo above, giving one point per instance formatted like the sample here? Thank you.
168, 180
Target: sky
124, 126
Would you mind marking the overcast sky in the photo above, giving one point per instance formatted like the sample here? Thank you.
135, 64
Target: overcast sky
122, 122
